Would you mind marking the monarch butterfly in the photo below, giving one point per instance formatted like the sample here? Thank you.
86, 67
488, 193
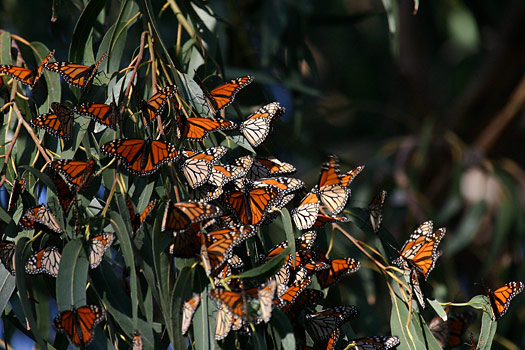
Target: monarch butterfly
449, 333
97, 247
74, 74
137, 343
303, 299
25, 75
265, 296
138, 219
104, 114
323, 219
179, 216
306, 240
375, 210
79, 323
267, 167
219, 249
223, 322
235, 302
76, 173
59, 122
288, 294
337, 270
259, 124
251, 200
197, 165
332, 340
322, 324
378, 342
40, 217
187, 243
64, 194
419, 255
333, 188
7, 255
141, 157
152, 108
197, 129
214, 255
222, 174
46, 260
19, 186
501, 297
188, 309
223, 95
305, 215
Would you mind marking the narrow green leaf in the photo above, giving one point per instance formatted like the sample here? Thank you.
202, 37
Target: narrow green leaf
5, 47
72, 276
81, 33
182, 287
288, 230
437, 307
282, 326
21, 255
204, 324
488, 330
268, 269
123, 234
7, 286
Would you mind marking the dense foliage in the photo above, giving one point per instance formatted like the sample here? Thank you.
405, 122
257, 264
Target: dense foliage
120, 234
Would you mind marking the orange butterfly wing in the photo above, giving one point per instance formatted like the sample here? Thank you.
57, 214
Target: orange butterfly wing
58, 123
24, 75
338, 269
101, 113
141, 157
197, 129
420, 250
79, 324
179, 216
232, 300
222, 96
155, 105
64, 194
305, 215
19, 186
77, 173
74, 74
501, 297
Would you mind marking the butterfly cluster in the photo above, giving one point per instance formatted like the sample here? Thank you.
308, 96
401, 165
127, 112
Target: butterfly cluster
214, 203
